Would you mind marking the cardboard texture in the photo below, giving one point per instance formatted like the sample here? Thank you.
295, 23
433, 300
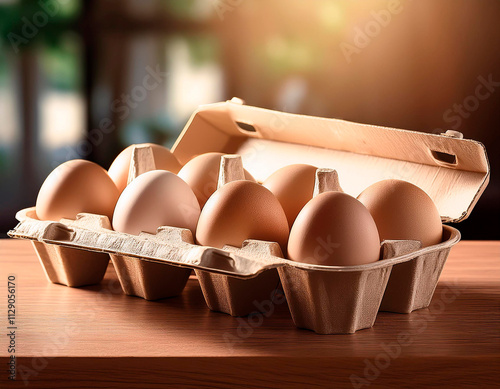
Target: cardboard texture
327, 180
71, 267
361, 154
412, 284
325, 299
151, 281
330, 302
238, 297
333, 303
67, 266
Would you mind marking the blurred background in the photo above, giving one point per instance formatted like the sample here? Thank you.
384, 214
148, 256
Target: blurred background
72, 75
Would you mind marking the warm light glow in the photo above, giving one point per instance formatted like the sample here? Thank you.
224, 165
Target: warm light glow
190, 85
62, 119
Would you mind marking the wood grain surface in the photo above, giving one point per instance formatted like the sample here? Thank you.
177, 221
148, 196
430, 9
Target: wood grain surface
98, 337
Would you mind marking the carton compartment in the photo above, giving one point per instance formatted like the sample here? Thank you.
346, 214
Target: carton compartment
340, 300
231, 295
63, 265
241, 297
149, 280
412, 284
234, 296
153, 280
71, 267
331, 302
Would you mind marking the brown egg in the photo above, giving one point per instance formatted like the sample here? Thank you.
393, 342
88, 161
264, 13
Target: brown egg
334, 229
156, 198
403, 211
73, 187
201, 174
242, 210
293, 186
163, 158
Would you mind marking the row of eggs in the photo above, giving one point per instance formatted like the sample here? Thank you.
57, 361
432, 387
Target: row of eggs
331, 228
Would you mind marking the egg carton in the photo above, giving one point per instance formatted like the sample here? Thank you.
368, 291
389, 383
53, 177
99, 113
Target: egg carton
326, 299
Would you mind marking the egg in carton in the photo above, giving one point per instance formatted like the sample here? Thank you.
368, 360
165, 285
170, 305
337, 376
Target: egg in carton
231, 295
141, 278
345, 299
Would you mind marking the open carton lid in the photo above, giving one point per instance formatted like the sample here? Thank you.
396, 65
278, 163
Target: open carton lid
453, 171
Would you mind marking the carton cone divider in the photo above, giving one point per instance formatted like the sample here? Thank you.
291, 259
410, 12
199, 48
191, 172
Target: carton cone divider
141, 161
231, 169
327, 180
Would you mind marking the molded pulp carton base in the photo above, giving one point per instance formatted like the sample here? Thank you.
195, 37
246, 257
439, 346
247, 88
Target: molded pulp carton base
71, 267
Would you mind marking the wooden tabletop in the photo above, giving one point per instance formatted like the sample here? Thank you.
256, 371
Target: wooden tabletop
98, 337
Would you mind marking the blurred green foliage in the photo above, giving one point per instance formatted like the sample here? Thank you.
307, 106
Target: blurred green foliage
15, 15
188, 9
62, 63
203, 49
60, 54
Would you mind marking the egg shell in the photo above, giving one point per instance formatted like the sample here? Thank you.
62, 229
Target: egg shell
163, 158
293, 186
202, 173
242, 210
402, 210
153, 199
334, 229
73, 187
